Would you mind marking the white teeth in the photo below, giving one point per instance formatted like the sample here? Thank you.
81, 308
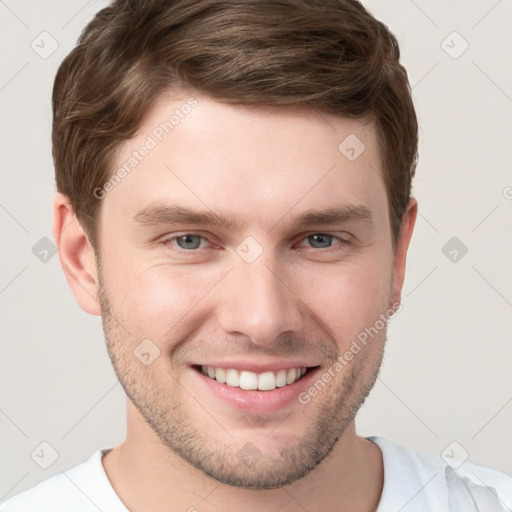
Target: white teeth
220, 375
291, 376
266, 381
248, 380
281, 378
232, 378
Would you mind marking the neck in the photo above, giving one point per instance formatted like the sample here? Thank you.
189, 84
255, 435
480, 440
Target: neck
147, 476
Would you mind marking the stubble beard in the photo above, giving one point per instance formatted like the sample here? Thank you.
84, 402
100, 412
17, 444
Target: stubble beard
218, 456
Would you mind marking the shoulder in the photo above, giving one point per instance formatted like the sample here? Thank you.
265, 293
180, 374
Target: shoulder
56, 491
82, 488
415, 481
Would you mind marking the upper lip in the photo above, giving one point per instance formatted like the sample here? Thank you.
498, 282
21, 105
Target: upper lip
258, 366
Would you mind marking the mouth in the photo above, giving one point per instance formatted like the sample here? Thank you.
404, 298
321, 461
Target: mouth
252, 381
254, 385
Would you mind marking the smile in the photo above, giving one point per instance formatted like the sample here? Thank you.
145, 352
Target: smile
247, 380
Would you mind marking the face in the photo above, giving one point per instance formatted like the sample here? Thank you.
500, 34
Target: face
242, 255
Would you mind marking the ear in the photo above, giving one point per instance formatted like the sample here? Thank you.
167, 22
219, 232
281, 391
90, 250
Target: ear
76, 255
403, 240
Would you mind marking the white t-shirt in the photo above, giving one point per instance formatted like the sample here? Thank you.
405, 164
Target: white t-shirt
413, 482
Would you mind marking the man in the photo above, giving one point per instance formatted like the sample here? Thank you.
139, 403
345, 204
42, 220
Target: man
234, 200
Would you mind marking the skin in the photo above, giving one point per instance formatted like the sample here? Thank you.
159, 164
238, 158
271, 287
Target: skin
299, 299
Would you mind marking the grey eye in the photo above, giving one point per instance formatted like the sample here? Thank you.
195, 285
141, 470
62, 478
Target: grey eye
318, 240
189, 241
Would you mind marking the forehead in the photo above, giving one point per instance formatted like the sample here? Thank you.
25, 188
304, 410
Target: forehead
246, 161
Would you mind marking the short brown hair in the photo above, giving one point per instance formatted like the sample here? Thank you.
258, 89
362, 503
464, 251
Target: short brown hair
329, 55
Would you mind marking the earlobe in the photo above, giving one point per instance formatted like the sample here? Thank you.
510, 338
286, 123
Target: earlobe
76, 255
402, 245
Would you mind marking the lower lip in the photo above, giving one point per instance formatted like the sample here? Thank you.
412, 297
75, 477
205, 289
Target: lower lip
254, 401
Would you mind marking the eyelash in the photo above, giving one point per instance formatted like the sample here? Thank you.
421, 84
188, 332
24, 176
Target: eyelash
342, 242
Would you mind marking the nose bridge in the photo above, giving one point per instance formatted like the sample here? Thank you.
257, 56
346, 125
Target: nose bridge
256, 299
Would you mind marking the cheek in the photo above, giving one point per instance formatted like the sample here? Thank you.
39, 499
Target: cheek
349, 299
158, 301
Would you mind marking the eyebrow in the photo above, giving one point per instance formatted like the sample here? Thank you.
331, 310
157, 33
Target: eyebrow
156, 215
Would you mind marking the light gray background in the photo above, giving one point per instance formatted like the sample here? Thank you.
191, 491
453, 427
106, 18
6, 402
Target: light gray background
446, 375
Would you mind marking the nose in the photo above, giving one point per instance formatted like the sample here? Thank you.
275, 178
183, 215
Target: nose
257, 301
